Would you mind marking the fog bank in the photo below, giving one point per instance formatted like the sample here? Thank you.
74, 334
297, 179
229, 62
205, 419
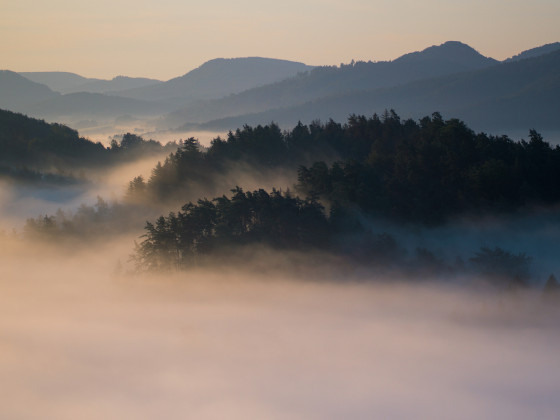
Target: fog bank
78, 340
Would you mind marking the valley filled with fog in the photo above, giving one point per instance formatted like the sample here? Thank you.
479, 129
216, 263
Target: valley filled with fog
285, 334
262, 238
82, 339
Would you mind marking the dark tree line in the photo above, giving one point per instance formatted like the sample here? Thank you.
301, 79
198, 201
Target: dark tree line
423, 171
409, 171
248, 150
277, 219
210, 229
431, 170
30, 145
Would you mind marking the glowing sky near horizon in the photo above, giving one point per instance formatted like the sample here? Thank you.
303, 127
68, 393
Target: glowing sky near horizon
166, 38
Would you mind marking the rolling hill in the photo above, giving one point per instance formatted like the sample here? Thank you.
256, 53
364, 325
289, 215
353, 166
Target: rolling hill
448, 58
535, 52
93, 105
218, 78
17, 92
65, 82
516, 94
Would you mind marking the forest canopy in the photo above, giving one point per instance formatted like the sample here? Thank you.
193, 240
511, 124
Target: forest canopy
30, 145
412, 173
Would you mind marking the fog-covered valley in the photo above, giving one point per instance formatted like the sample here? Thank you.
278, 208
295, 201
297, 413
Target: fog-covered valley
187, 248
82, 339
267, 332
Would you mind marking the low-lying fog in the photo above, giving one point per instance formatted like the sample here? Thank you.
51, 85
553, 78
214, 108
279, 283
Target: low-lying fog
80, 341
20, 202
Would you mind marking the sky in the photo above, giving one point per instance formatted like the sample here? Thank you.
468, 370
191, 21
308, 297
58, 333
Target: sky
167, 38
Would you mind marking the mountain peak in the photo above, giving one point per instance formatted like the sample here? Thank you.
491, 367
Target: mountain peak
450, 51
243, 64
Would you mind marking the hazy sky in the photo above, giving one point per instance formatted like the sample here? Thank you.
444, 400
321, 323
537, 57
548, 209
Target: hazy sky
167, 38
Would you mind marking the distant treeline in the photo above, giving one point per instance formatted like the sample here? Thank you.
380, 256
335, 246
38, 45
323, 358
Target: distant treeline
28, 145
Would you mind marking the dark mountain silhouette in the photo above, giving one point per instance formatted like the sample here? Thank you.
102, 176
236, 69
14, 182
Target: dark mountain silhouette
17, 92
227, 93
31, 148
535, 52
36, 144
450, 57
218, 78
518, 94
65, 82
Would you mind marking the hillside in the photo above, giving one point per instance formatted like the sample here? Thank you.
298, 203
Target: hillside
448, 58
517, 94
535, 52
65, 82
36, 144
218, 78
17, 92
116, 85
59, 81
28, 145
93, 105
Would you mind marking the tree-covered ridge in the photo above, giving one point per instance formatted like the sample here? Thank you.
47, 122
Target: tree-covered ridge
277, 219
210, 230
417, 171
434, 169
35, 144
248, 150
407, 171
28, 141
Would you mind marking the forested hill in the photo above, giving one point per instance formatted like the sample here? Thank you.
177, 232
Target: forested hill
28, 141
512, 95
35, 144
413, 173
448, 58
218, 78
410, 171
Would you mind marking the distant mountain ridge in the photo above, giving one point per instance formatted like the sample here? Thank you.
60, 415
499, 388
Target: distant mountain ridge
517, 94
455, 52
226, 91
218, 78
17, 92
535, 52
93, 105
65, 82
448, 58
